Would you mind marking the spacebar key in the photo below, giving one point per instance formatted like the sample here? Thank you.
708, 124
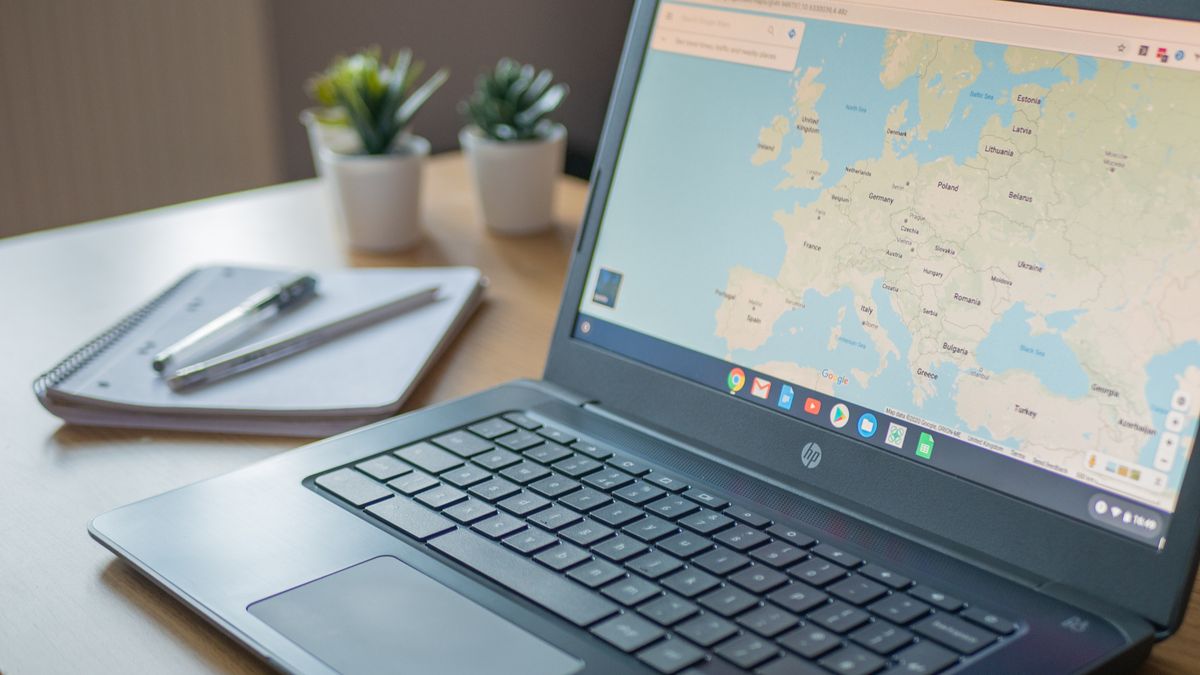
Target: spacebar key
555, 593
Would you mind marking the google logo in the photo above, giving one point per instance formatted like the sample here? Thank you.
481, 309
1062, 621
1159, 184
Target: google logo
834, 377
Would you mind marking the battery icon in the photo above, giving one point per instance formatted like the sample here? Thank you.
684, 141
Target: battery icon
925, 446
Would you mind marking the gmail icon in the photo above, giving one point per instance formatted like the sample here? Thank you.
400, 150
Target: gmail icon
760, 388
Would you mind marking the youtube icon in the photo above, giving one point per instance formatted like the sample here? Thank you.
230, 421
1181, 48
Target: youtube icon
812, 406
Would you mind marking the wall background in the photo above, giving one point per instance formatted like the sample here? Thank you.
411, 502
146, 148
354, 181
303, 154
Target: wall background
112, 106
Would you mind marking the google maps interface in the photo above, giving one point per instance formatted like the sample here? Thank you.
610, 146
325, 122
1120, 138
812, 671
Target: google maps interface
995, 245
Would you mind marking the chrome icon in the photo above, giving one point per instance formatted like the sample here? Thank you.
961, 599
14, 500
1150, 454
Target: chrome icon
736, 380
839, 415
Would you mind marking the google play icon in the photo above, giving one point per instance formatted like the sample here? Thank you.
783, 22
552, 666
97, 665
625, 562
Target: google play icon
839, 415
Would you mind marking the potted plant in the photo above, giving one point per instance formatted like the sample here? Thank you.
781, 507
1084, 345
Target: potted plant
376, 189
515, 151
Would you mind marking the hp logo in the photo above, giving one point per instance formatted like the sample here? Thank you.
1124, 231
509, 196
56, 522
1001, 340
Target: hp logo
810, 456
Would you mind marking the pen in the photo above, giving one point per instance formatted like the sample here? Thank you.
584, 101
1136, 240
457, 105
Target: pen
263, 305
255, 355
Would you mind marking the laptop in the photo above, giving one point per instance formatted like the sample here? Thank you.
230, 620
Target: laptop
877, 354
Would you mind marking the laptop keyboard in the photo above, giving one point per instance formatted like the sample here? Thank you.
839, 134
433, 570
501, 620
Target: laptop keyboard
654, 564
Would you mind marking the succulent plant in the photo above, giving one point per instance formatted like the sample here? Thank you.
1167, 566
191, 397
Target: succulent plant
511, 103
378, 99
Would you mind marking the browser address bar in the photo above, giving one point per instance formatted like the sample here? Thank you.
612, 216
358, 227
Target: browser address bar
767, 42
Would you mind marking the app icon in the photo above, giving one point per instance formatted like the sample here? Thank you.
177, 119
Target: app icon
895, 435
786, 396
1143, 50
812, 406
1179, 54
760, 388
736, 380
607, 285
867, 425
1161, 54
925, 446
839, 415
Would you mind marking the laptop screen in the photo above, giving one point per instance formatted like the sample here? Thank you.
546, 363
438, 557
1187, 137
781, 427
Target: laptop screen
966, 236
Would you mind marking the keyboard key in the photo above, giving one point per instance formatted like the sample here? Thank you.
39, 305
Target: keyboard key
549, 589
525, 472
608, 480
441, 496
759, 579
384, 467
650, 528
926, 658
562, 557
629, 465
619, 548
706, 630
837, 555
470, 511
885, 576
728, 601
982, 617
853, 660
685, 544
557, 435
778, 554
353, 487
522, 420
628, 632
790, 665
672, 507
706, 522
631, 591
496, 459
668, 481
639, 493
900, 608
817, 571
668, 610
857, 590
936, 598
554, 486
586, 499
740, 538
586, 533
768, 620
616, 514
462, 444
466, 476
721, 561
413, 482
554, 518
706, 498
429, 457
492, 428
520, 440
747, 516
523, 503
528, 542
670, 656
411, 519
596, 573
810, 641
691, 582
881, 637
747, 651
503, 525
577, 466
654, 564
839, 617
592, 450
791, 535
953, 632
494, 489
797, 597
547, 453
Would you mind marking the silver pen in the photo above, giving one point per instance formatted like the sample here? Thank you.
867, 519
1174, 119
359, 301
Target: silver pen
262, 306
255, 355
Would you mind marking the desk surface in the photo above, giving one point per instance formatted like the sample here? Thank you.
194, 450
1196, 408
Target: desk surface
66, 605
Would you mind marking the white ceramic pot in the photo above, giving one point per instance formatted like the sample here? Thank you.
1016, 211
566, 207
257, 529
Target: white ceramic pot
515, 179
338, 138
377, 197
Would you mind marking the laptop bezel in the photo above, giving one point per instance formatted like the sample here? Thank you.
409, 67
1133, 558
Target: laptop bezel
970, 519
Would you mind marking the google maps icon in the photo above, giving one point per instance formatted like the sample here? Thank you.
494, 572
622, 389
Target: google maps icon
736, 380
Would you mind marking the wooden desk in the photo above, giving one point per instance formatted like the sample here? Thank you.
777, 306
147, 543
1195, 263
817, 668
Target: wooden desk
66, 605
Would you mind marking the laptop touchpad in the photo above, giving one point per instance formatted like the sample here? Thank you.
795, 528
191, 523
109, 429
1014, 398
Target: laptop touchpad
384, 616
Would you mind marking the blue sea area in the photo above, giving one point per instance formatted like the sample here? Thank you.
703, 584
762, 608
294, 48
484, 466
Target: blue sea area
1010, 345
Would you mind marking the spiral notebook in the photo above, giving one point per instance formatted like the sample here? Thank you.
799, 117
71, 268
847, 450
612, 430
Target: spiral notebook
355, 379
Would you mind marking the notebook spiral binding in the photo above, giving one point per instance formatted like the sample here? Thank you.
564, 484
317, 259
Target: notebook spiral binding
85, 354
